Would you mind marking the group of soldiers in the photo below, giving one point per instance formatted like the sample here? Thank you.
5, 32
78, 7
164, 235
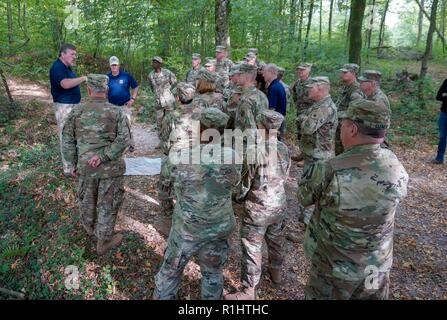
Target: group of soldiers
350, 177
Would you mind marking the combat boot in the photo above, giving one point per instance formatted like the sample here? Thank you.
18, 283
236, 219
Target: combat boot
104, 246
275, 276
246, 294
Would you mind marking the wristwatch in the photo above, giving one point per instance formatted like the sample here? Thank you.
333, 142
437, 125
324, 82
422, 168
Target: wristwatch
132, 98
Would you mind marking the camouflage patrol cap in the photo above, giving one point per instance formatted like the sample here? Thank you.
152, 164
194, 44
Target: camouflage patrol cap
281, 70
213, 118
185, 91
371, 75
250, 56
371, 114
318, 80
234, 70
158, 59
221, 48
253, 50
210, 63
304, 66
98, 82
350, 67
246, 68
207, 76
270, 119
196, 56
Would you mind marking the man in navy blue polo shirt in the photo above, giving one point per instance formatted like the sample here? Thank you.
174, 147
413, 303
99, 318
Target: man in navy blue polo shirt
276, 94
120, 83
65, 89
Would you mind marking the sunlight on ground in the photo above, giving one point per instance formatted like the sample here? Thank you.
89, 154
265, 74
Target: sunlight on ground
156, 242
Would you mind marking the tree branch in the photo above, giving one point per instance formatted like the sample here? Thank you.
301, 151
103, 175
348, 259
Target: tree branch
428, 17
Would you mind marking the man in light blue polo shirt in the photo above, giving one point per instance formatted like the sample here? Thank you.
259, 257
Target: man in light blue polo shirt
120, 83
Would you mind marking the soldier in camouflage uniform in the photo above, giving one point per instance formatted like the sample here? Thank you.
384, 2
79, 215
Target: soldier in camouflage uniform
176, 134
370, 86
234, 92
94, 138
355, 195
281, 72
196, 67
203, 216
299, 93
207, 97
264, 207
251, 102
318, 123
223, 64
349, 92
161, 82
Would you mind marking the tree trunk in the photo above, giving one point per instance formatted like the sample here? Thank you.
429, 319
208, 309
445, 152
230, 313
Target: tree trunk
300, 30
330, 20
292, 20
309, 23
348, 28
382, 28
9, 21
370, 27
428, 17
443, 7
5, 85
222, 17
321, 23
428, 51
355, 31
420, 21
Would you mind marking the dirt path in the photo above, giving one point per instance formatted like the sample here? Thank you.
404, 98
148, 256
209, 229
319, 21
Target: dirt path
420, 268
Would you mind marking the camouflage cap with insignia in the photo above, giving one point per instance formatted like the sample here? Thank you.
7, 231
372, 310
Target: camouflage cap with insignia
212, 118
98, 82
207, 76
318, 80
196, 56
158, 59
371, 114
221, 48
304, 66
371, 75
185, 91
253, 50
350, 67
270, 119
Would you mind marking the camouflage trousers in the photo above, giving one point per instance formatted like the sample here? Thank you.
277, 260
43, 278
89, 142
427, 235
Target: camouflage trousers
128, 113
252, 239
159, 114
308, 165
338, 144
165, 195
211, 256
61, 112
99, 202
322, 285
